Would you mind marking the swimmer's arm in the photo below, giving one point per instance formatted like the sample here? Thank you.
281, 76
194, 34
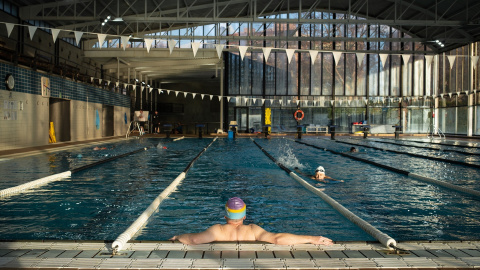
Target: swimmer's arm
206, 236
330, 178
288, 238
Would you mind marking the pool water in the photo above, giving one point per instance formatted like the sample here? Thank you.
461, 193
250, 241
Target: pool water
101, 202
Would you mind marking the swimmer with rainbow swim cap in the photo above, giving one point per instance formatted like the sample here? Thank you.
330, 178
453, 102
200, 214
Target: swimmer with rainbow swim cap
235, 208
235, 230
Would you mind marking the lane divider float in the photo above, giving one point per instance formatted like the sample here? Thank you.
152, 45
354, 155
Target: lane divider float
383, 238
59, 176
477, 166
142, 220
423, 147
404, 172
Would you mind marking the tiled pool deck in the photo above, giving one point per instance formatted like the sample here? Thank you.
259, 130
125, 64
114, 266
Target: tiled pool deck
168, 255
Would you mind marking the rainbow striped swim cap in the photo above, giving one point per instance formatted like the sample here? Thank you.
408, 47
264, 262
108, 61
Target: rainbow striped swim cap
235, 208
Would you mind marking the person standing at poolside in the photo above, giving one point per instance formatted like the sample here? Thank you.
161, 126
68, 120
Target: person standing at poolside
235, 230
156, 122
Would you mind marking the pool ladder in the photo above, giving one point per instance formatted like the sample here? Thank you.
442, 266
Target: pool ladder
135, 125
433, 129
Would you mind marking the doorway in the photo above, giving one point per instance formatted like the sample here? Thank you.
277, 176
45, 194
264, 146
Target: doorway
59, 114
107, 112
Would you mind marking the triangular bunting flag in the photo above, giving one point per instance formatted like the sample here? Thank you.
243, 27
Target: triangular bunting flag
171, 45
458, 94
332, 101
297, 101
441, 95
219, 48
313, 56
288, 102
168, 92
55, 33
314, 103
116, 84
360, 57
211, 97
340, 102
349, 102
141, 88
266, 53
31, 30
474, 61
202, 95
429, 59
108, 82
281, 101
195, 46
290, 53
159, 91
254, 100
9, 28
228, 99
219, 98
405, 57
336, 57
91, 79
243, 50
366, 101
150, 89
263, 101
124, 41
450, 94
451, 59
383, 58
176, 93
194, 94
245, 100
185, 94
148, 44
100, 81
466, 92
101, 39
78, 36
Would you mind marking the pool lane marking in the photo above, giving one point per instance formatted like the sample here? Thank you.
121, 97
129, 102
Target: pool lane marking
423, 147
142, 220
59, 176
477, 166
382, 237
407, 173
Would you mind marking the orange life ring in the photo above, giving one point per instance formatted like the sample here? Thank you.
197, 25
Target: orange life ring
299, 118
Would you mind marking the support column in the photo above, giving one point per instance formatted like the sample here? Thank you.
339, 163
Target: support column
221, 93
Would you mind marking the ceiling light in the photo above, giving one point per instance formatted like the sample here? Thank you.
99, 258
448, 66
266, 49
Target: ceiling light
108, 17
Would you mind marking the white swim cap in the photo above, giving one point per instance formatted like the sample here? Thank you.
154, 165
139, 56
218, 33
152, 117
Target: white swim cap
320, 169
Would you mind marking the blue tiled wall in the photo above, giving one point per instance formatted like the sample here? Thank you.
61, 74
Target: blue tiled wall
29, 81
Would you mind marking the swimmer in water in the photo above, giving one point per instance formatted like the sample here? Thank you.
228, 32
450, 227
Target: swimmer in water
96, 148
353, 150
319, 176
235, 230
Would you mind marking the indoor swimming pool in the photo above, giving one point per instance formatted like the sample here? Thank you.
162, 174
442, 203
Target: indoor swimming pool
100, 202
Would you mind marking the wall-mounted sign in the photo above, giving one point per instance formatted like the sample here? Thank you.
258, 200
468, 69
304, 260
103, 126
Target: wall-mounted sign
45, 87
